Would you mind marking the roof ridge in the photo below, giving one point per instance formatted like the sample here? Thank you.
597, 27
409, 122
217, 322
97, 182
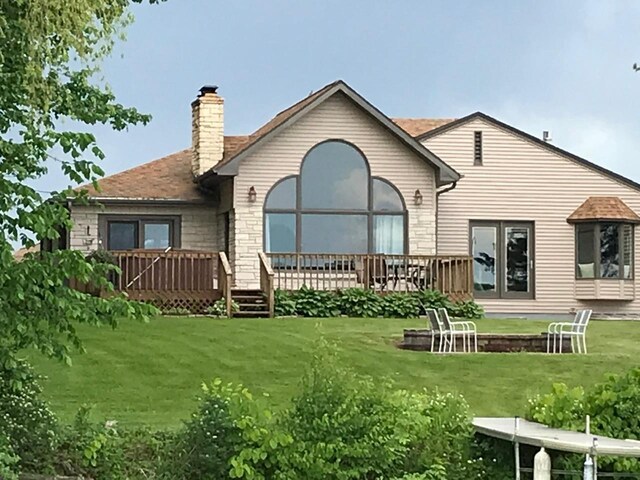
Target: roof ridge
291, 107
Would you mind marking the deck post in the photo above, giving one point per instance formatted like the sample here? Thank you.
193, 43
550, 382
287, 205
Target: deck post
516, 447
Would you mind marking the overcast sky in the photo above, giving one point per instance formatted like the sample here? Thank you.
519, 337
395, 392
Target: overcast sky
538, 65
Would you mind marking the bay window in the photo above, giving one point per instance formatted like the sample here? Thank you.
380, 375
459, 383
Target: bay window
604, 250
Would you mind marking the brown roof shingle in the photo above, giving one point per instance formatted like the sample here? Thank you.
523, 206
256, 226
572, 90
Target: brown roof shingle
419, 126
167, 178
170, 177
603, 208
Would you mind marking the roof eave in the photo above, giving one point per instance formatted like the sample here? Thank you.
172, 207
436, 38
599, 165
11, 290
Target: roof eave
535, 140
594, 219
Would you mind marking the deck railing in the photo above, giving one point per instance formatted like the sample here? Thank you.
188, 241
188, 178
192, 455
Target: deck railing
225, 280
266, 282
452, 275
173, 270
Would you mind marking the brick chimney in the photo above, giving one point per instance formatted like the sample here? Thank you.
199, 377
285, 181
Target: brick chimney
207, 130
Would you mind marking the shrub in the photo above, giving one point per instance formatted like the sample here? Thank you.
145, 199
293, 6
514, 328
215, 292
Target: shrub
614, 408
208, 441
8, 460
469, 310
26, 420
219, 308
348, 427
106, 452
285, 303
400, 305
432, 299
316, 303
177, 311
358, 302
102, 256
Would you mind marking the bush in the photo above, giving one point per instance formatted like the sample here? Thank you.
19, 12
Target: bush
614, 408
400, 305
26, 420
316, 303
358, 302
469, 310
8, 460
106, 452
284, 303
208, 441
219, 308
432, 299
348, 427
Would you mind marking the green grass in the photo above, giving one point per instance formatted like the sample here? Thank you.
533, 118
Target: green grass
150, 373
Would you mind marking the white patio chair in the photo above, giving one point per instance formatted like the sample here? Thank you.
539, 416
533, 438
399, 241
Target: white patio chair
576, 330
470, 339
438, 330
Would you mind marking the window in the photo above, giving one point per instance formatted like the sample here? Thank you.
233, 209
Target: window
124, 232
334, 206
502, 259
604, 250
477, 148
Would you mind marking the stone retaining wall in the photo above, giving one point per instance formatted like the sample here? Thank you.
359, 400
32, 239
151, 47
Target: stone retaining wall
417, 339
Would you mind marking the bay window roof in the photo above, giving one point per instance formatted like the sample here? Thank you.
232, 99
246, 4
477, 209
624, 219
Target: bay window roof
603, 209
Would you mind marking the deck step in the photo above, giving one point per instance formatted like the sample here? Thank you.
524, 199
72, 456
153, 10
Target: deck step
253, 307
248, 298
251, 303
251, 314
238, 291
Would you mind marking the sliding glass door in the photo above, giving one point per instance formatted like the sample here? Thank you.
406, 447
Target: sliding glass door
502, 259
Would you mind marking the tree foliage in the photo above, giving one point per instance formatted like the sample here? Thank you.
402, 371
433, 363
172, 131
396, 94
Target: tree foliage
50, 54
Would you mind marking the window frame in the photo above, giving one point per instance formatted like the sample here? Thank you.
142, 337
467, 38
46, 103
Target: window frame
174, 222
501, 258
298, 211
597, 274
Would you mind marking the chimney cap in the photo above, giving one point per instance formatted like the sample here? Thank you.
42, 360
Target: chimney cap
208, 89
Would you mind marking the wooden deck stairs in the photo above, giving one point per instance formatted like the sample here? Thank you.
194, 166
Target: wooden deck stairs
251, 303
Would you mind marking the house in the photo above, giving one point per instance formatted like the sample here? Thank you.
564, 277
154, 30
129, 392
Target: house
333, 193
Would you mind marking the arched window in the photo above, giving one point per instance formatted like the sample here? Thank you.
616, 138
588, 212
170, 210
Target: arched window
334, 206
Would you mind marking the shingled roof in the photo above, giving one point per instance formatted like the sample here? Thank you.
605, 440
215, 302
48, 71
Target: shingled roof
167, 178
174, 173
419, 126
603, 209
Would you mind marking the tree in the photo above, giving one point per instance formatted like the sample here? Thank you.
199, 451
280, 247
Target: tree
50, 54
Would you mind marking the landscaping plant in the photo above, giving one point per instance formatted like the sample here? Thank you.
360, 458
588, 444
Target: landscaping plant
399, 305
316, 303
359, 302
284, 303
614, 408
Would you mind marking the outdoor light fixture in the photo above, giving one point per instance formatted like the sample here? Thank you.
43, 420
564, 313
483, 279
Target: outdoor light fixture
252, 194
417, 198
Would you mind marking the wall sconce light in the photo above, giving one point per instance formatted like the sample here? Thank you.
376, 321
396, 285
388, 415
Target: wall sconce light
252, 194
417, 197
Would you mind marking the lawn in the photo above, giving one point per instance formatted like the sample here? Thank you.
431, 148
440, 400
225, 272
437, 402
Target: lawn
150, 373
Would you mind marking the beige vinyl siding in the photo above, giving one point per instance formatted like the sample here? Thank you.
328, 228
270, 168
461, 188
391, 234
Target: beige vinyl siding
522, 181
336, 118
198, 224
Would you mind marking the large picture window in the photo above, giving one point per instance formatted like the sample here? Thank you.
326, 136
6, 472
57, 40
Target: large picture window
604, 250
502, 259
335, 206
125, 232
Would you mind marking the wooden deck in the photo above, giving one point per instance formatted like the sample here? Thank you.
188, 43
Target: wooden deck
452, 275
176, 279
193, 280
